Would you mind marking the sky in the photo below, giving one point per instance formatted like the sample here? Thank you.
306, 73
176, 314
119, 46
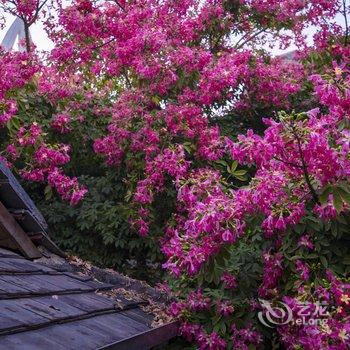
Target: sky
37, 31
39, 36
42, 41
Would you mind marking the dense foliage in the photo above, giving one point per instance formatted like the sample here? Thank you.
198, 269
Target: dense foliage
142, 101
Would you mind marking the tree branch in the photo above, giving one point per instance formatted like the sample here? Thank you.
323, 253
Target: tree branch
37, 11
249, 38
103, 44
304, 167
119, 5
289, 163
27, 35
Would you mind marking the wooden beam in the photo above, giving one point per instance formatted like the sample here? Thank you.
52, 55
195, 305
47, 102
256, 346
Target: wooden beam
10, 227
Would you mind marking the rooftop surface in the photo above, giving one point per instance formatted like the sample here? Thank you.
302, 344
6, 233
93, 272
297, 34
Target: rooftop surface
43, 307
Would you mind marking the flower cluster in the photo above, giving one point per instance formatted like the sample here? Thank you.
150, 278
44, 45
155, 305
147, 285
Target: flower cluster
209, 219
9, 109
326, 323
160, 77
301, 167
16, 70
61, 123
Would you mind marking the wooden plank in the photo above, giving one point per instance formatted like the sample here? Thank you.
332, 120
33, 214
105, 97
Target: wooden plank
79, 276
29, 341
14, 196
9, 225
7, 322
45, 310
13, 315
5, 253
98, 285
24, 265
29, 314
113, 327
87, 334
16, 265
10, 268
88, 302
64, 282
7, 287
145, 340
139, 316
47, 242
7, 242
59, 306
75, 335
63, 306
119, 324
27, 221
17, 201
26, 282
44, 284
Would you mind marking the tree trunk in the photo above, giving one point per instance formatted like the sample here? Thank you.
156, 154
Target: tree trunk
27, 36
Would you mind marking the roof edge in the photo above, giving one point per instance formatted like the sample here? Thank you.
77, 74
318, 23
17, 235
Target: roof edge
146, 340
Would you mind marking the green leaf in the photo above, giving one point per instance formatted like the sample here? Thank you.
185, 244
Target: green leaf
324, 261
48, 192
15, 123
221, 162
240, 172
344, 195
156, 99
241, 178
337, 201
234, 166
187, 148
323, 197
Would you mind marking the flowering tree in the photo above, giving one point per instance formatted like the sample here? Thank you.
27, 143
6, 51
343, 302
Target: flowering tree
244, 217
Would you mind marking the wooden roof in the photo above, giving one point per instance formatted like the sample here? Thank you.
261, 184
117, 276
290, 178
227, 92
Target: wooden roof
43, 308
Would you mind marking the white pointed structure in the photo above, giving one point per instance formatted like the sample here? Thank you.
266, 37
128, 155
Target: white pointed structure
15, 31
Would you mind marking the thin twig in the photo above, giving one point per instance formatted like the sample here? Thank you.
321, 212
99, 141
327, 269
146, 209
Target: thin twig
289, 163
304, 167
118, 3
241, 38
125, 74
346, 24
250, 38
37, 11
103, 44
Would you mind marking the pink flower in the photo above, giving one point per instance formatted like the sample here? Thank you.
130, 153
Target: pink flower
211, 341
229, 281
225, 308
305, 241
77, 196
196, 301
61, 123
12, 151
303, 270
